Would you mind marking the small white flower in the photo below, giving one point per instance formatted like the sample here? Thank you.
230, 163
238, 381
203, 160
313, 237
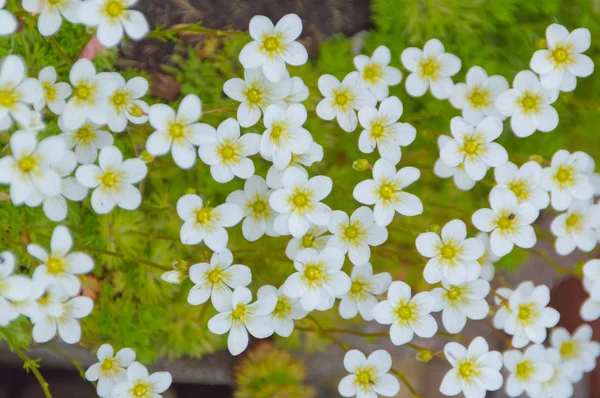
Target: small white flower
488, 259
174, 277
255, 93
274, 46
430, 67
591, 274
528, 104
29, 169
563, 62
375, 72
318, 280
559, 386
50, 12
368, 376
453, 257
386, 192
567, 178
125, 104
528, 371
18, 92
508, 221
382, 130
113, 180
226, 151
312, 155
284, 136
299, 202
458, 173
178, 132
524, 182
254, 201
13, 288
577, 350
86, 140
475, 369
501, 299
111, 17
215, 280
110, 368
8, 22
342, 99
530, 316
477, 97
141, 384
474, 146
241, 317
361, 296
298, 93
205, 223
312, 239
55, 93
576, 227
459, 302
408, 316
286, 310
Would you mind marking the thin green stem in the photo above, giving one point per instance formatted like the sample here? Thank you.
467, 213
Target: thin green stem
344, 347
404, 380
30, 365
60, 50
557, 267
121, 256
75, 363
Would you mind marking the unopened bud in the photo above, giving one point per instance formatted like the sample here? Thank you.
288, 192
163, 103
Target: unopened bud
180, 265
190, 191
146, 157
424, 356
435, 228
541, 44
174, 277
361, 165
537, 158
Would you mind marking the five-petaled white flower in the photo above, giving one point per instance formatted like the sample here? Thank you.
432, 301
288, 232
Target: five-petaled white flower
55, 93
124, 102
577, 350
314, 238
110, 368
528, 370
458, 173
375, 72
368, 375
576, 228
459, 302
140, 384
430, 67
86, 140
501, 299
206, 223
361, 296
408, 316
50, 11
386, 192
382, 130
524, 182
18, 92
13, 288
215, 280
286, 310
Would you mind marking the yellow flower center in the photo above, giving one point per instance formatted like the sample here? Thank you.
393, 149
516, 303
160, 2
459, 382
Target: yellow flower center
574, 222
468, 369
562, 56
308, 241
277, 131
108, 365
85, 134
564, 176
239, 313
114, 8
272, 44
449, 251
353, 232
569, 349
359, 288
343, 98
110, 179
430, 68
28, 163
215, 276
472, 146
205, 216
254, 95
119, 99
406, 313
49, 91
300, 201
527, 313
177, 131
372, 73
259, 207
315, 274
84, 92
387, 191
365, 378
454, 294
283, 308
141, 389
55, 265
524, 370
530, 103
506, 222
479, 97
378, 129
8, 97
229, 152
520, 188
135, 110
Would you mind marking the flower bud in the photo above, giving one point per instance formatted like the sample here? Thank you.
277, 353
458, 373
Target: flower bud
146, 157
361, 165
424, 356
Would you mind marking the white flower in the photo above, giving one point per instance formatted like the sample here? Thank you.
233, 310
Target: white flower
375, 72
8, 22
241, 317
87, 140
577, 350
29, 167
459, 302
508, 221
13, 288
284, 136
528, 105
111, 17
125, 104
174, 277
215, 280
361, 296
341, 99
286, 310
50, 12
591, 274
576, 227
501, 299
255, 93
524, 182
274, 46
406, 315
386, 192
488, 259
559, 386
89, 99
299, 202
475, 369
529, 316
453, 257
140, 384
254, 201
227, 152
113, 180
55, 93
178, 132
563, 62
312, 155
318, 280
354, 234
312, 239
473, 146
477, 97
110, 368
298, 93
368, 376
205, 223
528, 371
60, 266
18, 92
430, 67
567, 179
382, 130
458, 173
